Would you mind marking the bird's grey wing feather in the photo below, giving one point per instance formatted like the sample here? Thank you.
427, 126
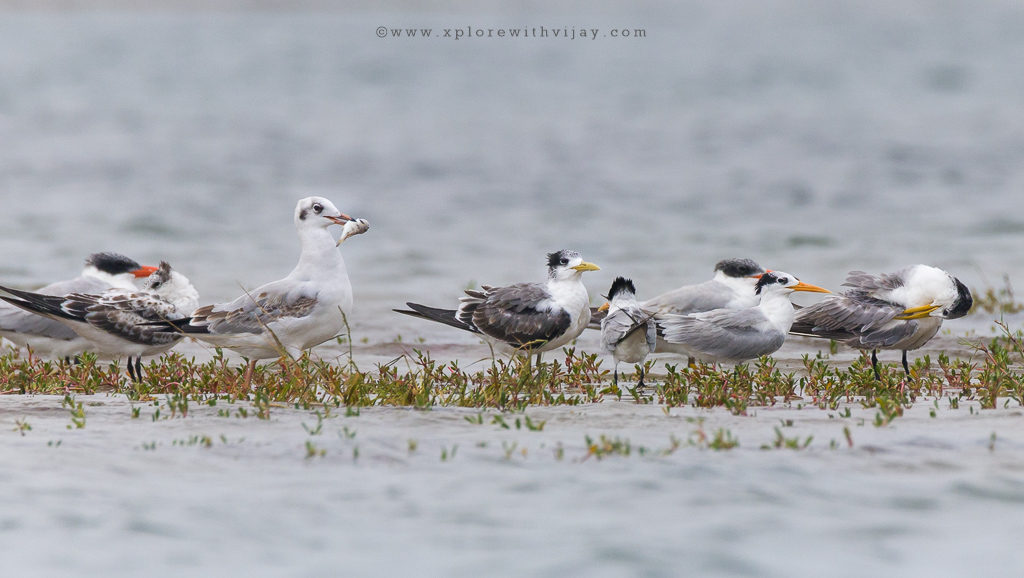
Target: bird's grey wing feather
622, 323
516, 315
16, 320
724, 334
83, 285
854, 320
868, 283
652, 334
251, 313
129, 316
705, 296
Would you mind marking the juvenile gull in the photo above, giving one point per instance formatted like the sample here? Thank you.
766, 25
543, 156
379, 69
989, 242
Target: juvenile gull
901, 310
525, 317
304, 309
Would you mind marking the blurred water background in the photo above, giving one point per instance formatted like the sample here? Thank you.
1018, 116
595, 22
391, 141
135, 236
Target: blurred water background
814, 137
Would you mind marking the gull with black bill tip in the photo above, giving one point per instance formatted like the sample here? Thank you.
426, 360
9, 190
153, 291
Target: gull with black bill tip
52, 339
119, 323
627, 331
901, 310
737, 335
524, 318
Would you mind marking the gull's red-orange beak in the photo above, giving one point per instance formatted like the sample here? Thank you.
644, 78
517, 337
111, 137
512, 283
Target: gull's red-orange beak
341, 219
144, 271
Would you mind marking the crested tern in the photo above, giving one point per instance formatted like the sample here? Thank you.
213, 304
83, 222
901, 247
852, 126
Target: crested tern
627, 331
736, 335
52, 339
119, 322
901, 310
526, 317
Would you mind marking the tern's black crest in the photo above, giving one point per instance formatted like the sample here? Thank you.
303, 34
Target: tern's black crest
964, 301
621, 285
739, 267
560, 258
765, 280
112, 263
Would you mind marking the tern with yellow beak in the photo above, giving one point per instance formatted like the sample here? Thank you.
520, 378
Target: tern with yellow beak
901, 310
736, 335
524, 318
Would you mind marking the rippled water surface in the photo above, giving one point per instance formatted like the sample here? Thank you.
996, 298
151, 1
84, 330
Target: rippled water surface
816, 138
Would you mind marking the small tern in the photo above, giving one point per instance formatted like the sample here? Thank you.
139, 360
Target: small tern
526, 317
287, 316
901, 310
51, 339
627, 331
736, 335
119, 322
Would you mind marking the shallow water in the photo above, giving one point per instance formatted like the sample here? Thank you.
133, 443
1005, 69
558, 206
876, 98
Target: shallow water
815, 139
121, 497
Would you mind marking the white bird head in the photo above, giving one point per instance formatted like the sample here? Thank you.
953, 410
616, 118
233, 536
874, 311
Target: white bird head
318, 212
782, 283
566, 264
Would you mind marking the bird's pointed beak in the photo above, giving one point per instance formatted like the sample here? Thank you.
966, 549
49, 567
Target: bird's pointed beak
584, 266
759, 275
604, 307
144, 271
340, 219
801, 286
917, 312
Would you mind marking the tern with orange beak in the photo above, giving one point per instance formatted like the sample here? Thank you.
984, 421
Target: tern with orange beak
52, 339
736, 335
290, 315
524, 318
901, 310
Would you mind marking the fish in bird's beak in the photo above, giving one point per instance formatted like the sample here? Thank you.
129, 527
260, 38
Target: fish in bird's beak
801, 286
353, 227
917, 312
584, 266
144, 271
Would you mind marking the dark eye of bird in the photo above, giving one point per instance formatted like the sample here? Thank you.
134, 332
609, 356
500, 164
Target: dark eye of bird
318, 208
783, 281
563, 262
